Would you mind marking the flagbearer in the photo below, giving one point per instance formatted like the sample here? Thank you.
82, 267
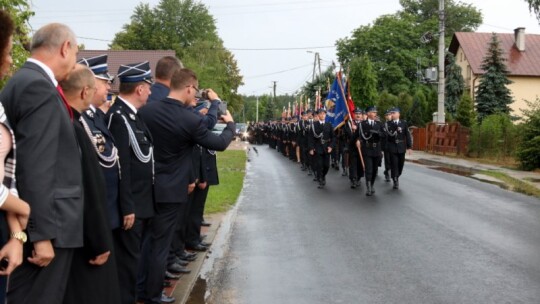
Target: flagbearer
356, 167
321, 143
399, 141
369, 133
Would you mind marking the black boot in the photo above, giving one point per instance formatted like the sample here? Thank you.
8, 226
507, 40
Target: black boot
353, 183
386, 176
396, 183
368, 189
310, 173
344, 172
372, 188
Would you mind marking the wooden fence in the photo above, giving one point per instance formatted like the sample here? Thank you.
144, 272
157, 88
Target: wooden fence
448, 138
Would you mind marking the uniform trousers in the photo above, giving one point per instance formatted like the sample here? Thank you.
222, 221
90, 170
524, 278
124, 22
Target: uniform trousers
397, 161
387, 166
323, 164
162, 232
128, 244
356, 171
372, 166
196, 212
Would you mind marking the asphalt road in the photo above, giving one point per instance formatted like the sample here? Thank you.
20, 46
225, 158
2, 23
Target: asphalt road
441, 238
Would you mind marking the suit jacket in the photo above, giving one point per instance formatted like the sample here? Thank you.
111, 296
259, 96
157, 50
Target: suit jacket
398, 137
350, 137
176, 130
105, 145
370, 137
136, 189
321, 144
49, 174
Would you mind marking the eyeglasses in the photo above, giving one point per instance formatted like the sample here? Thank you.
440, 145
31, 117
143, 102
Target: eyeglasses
194, 87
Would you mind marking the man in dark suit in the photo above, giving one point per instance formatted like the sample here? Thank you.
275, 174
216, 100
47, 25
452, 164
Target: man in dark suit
384, 145
370, 137
164, 70
135, 149
176, 130
399, 141
321, 142
48, 166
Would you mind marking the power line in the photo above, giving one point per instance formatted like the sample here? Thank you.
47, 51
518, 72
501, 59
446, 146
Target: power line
278, 72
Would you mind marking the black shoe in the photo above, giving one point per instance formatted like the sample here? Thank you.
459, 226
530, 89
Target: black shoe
167, 284
172, 276
309, 173
197, 247
323, 181
315, 179
205, 244
205, 224
181, 262
188, 256
396, 183
386, 177
203, 236
372, 189
368, 189
166, 299
176, 269
353, 184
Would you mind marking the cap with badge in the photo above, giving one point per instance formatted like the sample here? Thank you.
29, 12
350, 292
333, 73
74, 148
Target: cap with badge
135, 72
98, 65
358, 111
321, 110
395, 110
371, 109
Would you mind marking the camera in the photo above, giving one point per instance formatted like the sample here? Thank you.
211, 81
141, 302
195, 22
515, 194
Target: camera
222, 109
202, 94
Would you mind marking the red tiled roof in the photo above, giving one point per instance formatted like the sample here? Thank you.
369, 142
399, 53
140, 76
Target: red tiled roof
475, 46
116, 58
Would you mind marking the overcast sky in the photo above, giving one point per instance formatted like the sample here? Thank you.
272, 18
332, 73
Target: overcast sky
308, 25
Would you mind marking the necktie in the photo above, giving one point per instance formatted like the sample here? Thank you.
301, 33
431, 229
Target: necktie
70, 112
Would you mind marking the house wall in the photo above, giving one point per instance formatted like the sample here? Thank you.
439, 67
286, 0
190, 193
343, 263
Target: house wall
523, 88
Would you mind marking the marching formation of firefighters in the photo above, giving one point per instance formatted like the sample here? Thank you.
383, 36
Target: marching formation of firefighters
359, 146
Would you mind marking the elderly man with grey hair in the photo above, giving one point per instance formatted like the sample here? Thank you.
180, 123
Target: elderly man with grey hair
48, 166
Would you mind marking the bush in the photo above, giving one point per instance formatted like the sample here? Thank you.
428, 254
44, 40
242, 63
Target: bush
528, 151
496, 137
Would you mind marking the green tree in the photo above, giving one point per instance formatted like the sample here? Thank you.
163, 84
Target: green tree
270, 110
385, 102
310, 88
454, 84
405, 102
393, 43
534, 6
20, 12
416, 117
528, 151
493, 95
465, 114
187, 27
363, 81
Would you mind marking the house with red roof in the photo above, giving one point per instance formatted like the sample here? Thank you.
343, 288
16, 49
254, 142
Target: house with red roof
522, 53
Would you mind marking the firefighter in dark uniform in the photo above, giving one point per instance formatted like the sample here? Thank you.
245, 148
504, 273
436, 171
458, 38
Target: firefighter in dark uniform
384, 146
399, 141
356, 166
302, 140
95, 125
369, 134
134, 143
321, 144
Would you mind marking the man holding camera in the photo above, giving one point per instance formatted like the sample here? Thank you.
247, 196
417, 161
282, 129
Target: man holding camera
177, 129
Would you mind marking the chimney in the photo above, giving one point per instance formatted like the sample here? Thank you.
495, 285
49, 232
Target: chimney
519, 36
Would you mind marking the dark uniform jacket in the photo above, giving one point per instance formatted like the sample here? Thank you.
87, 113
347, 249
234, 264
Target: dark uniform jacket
322, 137
105, 145
49, 174
350, 136
176, 131
370, 137
136, 189
398, 137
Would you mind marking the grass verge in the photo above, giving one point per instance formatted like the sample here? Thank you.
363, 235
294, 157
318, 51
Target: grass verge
514, 184
231, 169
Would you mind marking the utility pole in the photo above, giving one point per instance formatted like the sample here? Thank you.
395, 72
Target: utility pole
275, 85
319, 62
440, 97
257, 115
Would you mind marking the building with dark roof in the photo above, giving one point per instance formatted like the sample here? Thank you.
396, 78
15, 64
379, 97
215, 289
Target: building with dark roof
522, 53
116, 58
